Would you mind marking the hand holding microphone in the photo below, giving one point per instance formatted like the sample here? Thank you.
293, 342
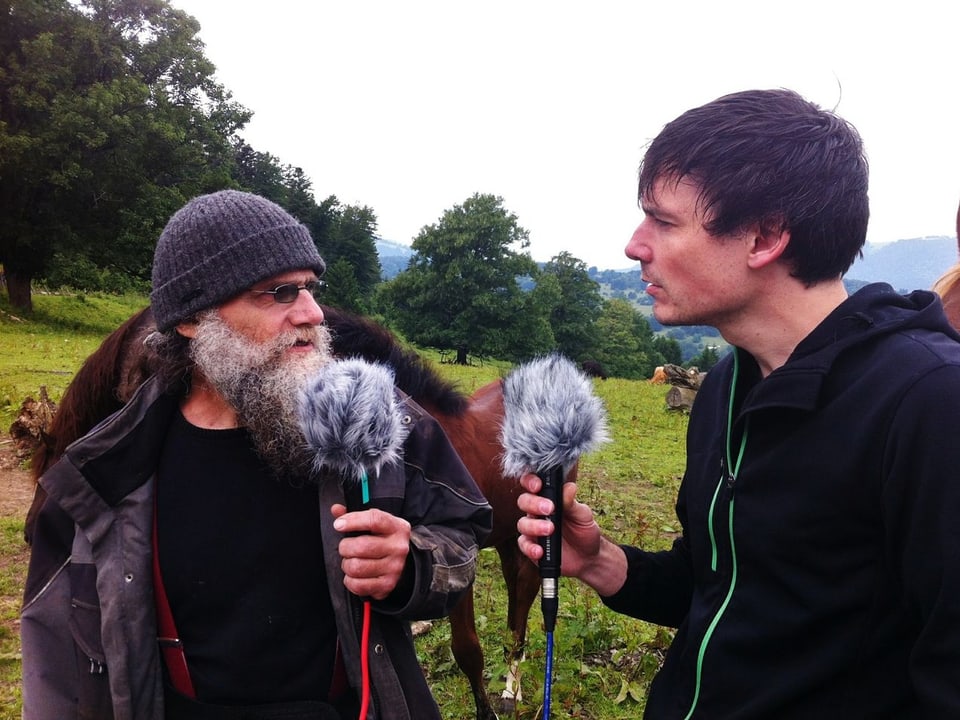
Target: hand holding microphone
351, 421
551, 417
353, 424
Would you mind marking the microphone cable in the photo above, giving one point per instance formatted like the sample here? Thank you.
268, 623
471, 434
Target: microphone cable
365, 633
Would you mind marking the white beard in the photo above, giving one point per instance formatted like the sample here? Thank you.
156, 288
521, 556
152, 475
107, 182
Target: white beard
262, 382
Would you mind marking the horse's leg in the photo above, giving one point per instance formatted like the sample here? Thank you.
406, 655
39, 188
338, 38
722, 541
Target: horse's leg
523, 584
465, 645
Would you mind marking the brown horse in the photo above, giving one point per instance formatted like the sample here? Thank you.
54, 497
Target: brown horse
110, 375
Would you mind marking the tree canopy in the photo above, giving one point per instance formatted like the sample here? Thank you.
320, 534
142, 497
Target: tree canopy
109, 120
626, 346
348, 245
460, 291
574, 315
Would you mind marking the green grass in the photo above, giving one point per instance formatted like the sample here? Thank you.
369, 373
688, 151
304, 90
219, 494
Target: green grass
603, 661
13, 563
47, 346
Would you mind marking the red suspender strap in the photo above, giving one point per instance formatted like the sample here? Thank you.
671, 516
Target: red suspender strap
171, 648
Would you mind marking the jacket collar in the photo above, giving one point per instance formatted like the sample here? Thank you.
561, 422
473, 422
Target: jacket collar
875, 310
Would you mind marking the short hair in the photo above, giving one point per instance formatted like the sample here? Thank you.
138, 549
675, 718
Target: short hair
772, 158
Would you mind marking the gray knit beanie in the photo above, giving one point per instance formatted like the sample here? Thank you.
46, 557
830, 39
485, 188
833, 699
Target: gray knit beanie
217, 246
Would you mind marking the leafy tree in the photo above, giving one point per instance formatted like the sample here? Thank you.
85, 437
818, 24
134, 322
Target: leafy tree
627, 347
288, 186
342, 290
460, 290
708, 357
573, 317
532, 334
299, 201
261, 173
669, 350
353, 240
109, 121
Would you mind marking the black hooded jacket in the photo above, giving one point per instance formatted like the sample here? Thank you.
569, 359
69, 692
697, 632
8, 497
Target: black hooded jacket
818, 573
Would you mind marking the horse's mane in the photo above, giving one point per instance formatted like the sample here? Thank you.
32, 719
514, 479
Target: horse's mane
104, 382
356, 336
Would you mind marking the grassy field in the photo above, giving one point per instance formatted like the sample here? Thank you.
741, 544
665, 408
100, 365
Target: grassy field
46, 348
603, 662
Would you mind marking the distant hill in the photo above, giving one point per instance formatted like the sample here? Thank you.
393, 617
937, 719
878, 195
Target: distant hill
393, 256
913, 264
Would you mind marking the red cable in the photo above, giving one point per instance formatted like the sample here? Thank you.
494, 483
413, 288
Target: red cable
365, 661
365, 636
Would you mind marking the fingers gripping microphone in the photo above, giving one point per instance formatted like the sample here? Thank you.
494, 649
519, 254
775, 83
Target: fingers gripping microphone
551, 417
351, 422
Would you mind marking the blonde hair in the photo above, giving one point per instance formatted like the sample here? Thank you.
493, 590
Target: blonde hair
946, 282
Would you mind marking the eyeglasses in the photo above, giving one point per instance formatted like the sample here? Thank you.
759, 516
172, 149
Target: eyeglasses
289, 292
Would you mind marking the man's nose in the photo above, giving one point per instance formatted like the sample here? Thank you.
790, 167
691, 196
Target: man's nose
306, 310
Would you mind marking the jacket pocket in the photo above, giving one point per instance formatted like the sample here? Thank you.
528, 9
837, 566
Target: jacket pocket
93, 686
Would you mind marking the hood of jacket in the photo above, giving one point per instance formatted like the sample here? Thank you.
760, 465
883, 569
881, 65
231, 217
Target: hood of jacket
867, 316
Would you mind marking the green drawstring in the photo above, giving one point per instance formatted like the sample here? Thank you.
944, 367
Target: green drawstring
733, 469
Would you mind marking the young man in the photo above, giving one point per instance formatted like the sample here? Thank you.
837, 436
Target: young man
205, 480
818, 572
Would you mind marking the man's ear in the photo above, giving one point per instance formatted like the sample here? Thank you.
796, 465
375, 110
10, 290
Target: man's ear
188, 328
767, 245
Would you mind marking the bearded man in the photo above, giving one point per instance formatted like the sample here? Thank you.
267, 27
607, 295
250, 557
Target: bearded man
214, 572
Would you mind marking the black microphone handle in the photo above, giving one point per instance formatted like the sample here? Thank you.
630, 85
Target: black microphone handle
353, 495
552, 489
353, 499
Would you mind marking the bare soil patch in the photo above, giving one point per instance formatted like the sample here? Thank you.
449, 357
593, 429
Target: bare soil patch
16, 494
16, 483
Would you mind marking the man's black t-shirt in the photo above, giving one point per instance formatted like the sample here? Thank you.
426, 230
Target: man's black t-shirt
242, 564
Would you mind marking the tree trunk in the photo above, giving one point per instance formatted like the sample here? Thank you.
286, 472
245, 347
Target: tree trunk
18, 290
461, 356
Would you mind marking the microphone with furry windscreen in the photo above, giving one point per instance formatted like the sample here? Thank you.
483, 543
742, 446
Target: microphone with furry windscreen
353, 424
551, 417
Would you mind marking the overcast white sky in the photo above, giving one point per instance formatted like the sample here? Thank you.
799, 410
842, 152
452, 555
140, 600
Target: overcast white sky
410, 107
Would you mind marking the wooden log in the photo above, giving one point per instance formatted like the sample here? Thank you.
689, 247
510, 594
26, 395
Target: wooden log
680, 398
